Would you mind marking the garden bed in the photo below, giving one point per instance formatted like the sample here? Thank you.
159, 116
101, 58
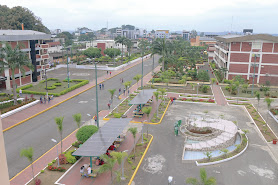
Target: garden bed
4, 108
54, 86
263, 127
161, 109
197, 100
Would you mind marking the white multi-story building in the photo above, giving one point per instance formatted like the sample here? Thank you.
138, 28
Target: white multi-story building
162, 34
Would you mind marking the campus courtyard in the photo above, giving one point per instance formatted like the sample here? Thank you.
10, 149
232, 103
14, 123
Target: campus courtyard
164, 157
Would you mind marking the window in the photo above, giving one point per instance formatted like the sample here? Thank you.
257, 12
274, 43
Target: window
256, 45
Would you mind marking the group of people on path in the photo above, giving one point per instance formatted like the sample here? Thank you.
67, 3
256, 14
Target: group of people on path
101, 85
43, 99
107, 72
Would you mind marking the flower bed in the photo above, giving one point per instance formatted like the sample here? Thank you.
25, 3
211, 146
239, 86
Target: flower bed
10, 106
197, 100
161, 109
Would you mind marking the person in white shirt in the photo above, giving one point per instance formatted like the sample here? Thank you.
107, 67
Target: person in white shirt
89, 171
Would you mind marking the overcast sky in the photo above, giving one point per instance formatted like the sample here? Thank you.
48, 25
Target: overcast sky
175, 15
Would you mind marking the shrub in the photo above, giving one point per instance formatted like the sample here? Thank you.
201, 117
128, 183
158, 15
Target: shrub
141, 153
76, 144
60, 169
42, 171
117, 115
50, 164
133, 167
38, 181
157, 80
85, 132
71, 159
204, 88
54, 161
139, 144
227, 81
51, 87
57, 84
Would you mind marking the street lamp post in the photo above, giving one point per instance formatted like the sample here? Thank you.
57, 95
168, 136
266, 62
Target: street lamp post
123, 176
96, 93
45, 81
53, 140
142, 70
68, 67
254, 65
197, 89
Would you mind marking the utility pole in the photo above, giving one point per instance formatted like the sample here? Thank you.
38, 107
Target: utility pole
142, 69
96, 93
68, 67
254, 70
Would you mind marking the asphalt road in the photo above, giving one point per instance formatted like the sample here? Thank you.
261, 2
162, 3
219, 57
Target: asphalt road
255, 166
39, 131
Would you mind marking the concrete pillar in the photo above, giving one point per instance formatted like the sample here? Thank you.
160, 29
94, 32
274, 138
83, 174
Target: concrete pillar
4, 174
8, 81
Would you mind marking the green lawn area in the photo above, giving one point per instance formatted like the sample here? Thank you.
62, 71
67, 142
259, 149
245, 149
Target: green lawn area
273, 92
40, 87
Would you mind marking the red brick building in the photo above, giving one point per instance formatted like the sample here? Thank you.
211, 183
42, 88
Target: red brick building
241, 54
35, 47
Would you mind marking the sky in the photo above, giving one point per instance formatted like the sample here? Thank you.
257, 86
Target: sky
174, 15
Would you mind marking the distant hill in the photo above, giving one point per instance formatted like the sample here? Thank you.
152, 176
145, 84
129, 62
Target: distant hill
11, 18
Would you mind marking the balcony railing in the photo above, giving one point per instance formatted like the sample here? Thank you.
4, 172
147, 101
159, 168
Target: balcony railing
45, 56
45, 46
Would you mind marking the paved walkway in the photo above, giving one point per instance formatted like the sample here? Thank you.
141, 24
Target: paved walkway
24, 115
73, 176
216, 89
25, 175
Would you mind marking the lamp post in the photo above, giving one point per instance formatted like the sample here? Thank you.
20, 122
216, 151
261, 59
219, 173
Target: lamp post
254, 70
68, 67
197, 89
142, 70
45, 81
53, 140
96, 93
123, 176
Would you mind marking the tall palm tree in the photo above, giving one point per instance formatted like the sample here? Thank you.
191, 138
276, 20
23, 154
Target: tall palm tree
122, 41
28, 153
133, 131
137, 78
14, 59
112, 92
119, 156
160, 48
59, 123
183, 81
77, 119
129, 46
204, 179
156, 95
213, 80
268, 103
108, 165
223, 70
162, 92
147, 110
258, 96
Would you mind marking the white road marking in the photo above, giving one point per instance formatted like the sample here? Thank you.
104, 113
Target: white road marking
262, 172
83, 102
154, 164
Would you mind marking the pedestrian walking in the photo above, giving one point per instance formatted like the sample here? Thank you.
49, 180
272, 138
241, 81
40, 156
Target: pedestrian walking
128, 91
20, 92
107, 72
102, 86
108, 106
124, 91
122, 80
44, 99
99, 86
120, 90
41, 99
110, 73
95, 118
48, 99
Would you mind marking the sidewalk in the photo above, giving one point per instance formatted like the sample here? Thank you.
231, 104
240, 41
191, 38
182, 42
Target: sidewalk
37, 109
73, 176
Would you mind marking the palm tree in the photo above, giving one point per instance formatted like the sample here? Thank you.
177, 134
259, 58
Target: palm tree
119, 156
156, 94
133, 131
147, 110
127, 84
77, 119
122, 41
14, 59
183, 81
59, 123
28, 153
129, 46
109, 163
162, 92
223, 70
137, 78
159, 47
258, 96
204, 179
213, 80
112, 91
268, 103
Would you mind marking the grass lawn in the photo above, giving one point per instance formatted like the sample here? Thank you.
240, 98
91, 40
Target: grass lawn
161, 108
273, 92
40, 87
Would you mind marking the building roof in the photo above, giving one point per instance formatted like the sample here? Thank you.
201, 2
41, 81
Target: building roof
241, 38
143, 97
20, 35
54, 43
207, 39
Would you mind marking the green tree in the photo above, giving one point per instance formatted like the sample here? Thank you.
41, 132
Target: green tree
162, 92
159, 47
183, 81
268, 102
223, 70
204, 179
258, 96
137, 78
92, 52
109, 163
86, 37
28, 153
147, 111
77, 119
156, 95
213, 80
67, 36
112, 52
129, 46
208, 154
245, 87
59, 123
133, 131
193, 34
14, 59
85, 132
224, 151
122, 41
203, 76
119, 156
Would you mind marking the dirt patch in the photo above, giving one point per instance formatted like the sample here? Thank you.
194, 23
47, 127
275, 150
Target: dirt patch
197, 131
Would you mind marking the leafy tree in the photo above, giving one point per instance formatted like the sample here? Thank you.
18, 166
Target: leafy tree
77, 119
129, 46
128, 27
193, 34
147, 110
213, 80
268, 102
68, 37
112, 52
28, 153
209, 155
109, 163
245, 87
122, 41
12, 18
265, 90
92, 52
112, 92
204, 179
133, 131
258, 96
137, 78
14, 59
127, 84
85, 132
119, 156
159, 47
203, 76
87, 37
59, 123
183, 81
223, 70
162, 92
156, 95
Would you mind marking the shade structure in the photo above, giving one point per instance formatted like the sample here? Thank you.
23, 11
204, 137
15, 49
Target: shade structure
98, 143
143, 97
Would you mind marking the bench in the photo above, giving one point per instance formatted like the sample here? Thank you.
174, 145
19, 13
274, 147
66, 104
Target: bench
138, 116
93, 175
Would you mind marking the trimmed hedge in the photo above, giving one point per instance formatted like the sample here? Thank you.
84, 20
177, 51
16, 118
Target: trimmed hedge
85, 132
82, 83
70, 159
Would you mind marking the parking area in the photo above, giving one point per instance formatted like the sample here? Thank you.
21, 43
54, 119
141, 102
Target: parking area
257, 165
